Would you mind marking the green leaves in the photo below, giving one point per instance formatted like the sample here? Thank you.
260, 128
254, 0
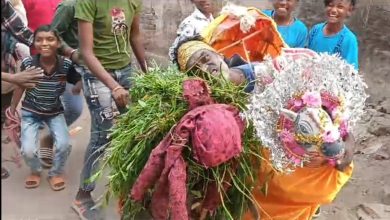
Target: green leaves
157, 105
142, 103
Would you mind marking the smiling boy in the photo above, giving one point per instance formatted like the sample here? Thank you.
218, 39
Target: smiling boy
198, 20
195, 23
293, 30
42, 105
333, 36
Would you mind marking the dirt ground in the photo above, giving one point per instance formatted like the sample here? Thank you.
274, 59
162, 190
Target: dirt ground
18, 203
366, 196
369, 185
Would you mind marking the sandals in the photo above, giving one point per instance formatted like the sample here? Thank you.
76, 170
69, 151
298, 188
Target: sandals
57, 183
32, 181
86, 210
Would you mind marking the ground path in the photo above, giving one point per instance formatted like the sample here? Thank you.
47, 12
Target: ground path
368, 185
18, 203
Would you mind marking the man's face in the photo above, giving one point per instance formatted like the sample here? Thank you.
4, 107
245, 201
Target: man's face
283, 8
209, 62
205, 6
337, 10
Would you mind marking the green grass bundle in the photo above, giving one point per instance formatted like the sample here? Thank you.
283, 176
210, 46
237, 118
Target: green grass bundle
157, 105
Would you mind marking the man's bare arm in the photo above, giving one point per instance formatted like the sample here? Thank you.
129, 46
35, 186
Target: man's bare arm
27, 78
16, 97
344, 162
137, 43
120, 95
93, 64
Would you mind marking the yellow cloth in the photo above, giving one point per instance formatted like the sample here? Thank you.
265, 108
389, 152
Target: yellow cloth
297, 196
187, 49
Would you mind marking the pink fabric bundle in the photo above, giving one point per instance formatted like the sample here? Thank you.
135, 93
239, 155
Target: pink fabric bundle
215, 131
12, 129
12, 126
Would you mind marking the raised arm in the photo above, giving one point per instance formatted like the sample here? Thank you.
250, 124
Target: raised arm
14, 24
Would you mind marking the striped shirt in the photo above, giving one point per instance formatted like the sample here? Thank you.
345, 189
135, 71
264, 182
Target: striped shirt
44, 99
13, 23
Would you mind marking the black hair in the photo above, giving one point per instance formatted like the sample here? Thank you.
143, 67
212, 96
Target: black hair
47, 28
327, 2
183, 40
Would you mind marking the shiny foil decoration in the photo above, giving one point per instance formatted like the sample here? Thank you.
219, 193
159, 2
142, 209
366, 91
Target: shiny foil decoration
322, 72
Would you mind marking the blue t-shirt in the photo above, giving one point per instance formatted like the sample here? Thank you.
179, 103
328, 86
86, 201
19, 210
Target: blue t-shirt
295, 34
343, 43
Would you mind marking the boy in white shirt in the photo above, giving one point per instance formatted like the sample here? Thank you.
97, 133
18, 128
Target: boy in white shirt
195, 23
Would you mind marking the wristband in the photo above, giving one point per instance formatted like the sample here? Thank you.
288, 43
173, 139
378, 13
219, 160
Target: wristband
71, 53
117, 88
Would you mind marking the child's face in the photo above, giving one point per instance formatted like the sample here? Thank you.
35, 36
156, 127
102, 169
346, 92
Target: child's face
205, 6
283, 8
46, 43
337, 10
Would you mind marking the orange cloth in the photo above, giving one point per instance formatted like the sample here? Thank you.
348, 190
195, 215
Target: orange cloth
297, 196
225, 36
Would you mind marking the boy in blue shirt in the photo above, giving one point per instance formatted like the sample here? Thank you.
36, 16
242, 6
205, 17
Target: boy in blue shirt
293, 30
333, 36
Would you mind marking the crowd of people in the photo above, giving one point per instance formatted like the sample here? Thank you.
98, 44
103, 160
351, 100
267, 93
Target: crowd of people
52, 78
52, 50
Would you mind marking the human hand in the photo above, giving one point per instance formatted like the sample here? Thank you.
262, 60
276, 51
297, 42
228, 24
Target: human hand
316, 160
28, 78
344, 162
121, 96
145, 67
77, 88
75, 57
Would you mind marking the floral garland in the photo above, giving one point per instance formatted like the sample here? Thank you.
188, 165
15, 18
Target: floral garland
299, 79
333, 105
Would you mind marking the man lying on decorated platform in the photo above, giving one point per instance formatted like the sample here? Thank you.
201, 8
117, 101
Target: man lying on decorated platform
288, 151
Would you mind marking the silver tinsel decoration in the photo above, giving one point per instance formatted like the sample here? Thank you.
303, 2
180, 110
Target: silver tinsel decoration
322, 72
